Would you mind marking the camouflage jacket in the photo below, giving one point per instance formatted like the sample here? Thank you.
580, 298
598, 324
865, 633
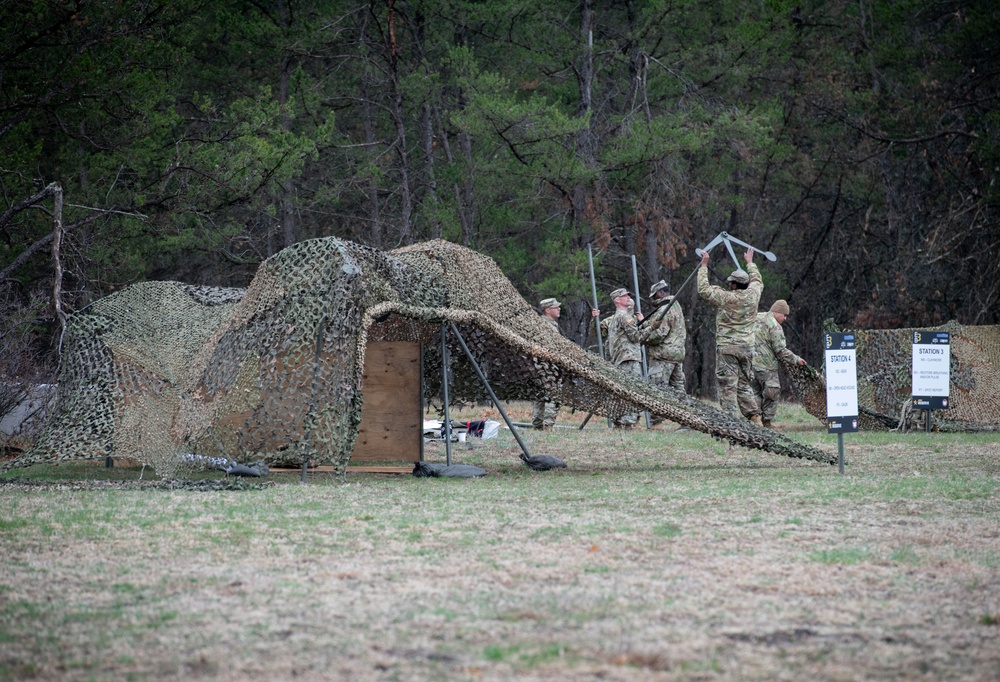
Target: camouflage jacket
664, 332
736, 318
553, 323
623, 337
769, 346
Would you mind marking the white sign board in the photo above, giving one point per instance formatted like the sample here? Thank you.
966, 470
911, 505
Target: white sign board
841, 383
931, 370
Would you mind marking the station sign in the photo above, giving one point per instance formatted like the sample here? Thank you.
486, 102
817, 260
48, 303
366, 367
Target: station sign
841, 382
931, 370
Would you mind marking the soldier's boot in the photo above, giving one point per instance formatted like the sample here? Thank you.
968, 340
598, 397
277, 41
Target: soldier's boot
766, 422
755, 419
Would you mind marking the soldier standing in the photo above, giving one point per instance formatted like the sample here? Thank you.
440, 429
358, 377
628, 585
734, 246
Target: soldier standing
623, 343
664, 335
544, 414
769, 348
735, 324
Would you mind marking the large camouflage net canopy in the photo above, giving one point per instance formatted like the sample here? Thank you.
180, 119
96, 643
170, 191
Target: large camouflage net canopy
274, 372
884, 358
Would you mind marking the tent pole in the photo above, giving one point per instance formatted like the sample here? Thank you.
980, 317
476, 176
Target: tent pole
423, 406
489, 389
446, 430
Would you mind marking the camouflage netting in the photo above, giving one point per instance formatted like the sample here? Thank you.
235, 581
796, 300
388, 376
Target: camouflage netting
884, 360
274, 372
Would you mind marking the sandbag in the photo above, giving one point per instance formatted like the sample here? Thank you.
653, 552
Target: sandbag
543, 462
426, 469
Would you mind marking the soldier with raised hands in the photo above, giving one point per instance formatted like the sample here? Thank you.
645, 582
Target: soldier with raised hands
735, 325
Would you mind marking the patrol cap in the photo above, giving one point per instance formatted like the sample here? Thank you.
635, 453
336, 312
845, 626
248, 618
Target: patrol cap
620, 291
659, 286
780, 306
739, 276
547, 303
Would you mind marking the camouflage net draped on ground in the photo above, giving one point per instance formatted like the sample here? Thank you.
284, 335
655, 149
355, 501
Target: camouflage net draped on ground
274, 372
884, 358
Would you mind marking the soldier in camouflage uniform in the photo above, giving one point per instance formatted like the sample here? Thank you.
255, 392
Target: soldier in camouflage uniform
623, 346
769, 348
664, 335
544, 414
735, 323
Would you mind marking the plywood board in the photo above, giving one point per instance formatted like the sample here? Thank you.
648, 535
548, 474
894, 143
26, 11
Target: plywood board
391, 413
374, 469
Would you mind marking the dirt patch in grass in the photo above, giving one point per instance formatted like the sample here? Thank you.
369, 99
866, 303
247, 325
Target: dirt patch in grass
655, 555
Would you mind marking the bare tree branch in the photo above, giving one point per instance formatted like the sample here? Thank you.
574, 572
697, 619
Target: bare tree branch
34, 200
57, 230
42, 242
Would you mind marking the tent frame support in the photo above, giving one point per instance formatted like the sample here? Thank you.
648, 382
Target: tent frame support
486, 384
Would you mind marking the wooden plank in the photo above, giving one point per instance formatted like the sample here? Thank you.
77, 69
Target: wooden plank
350, 469
391, 416
379, 470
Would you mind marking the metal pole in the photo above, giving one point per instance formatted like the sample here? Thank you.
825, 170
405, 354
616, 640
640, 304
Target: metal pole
928, 426
446, 429
593, 292
840, 453
597, 320
423, 407
642, 348
489, 389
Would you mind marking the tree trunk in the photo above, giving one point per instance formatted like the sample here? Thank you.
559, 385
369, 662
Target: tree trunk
468, 190
652, 264
585, 79
286, 203
57, 276
464, 214
406, 195
375, 237
427, 142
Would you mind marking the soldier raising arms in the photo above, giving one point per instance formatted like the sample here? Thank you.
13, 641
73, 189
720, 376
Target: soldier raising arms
735, 323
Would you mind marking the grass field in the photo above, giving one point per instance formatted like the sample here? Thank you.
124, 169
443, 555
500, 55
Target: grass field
656, 555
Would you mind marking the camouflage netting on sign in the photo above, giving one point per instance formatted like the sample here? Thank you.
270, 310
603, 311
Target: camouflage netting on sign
884, 358
274, 372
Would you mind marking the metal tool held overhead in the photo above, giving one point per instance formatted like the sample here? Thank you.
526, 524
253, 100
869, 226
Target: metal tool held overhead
727, 239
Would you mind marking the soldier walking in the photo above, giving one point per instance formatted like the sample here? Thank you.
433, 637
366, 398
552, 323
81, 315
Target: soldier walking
769, 348
735, 323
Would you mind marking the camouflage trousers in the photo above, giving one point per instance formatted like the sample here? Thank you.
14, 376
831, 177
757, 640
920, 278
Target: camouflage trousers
544, 414
766, 385
735, 374
663, 374
633, 367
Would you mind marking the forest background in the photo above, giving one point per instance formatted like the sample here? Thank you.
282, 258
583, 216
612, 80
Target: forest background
859, 140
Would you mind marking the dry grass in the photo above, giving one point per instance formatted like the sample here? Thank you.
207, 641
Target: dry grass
656, 555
